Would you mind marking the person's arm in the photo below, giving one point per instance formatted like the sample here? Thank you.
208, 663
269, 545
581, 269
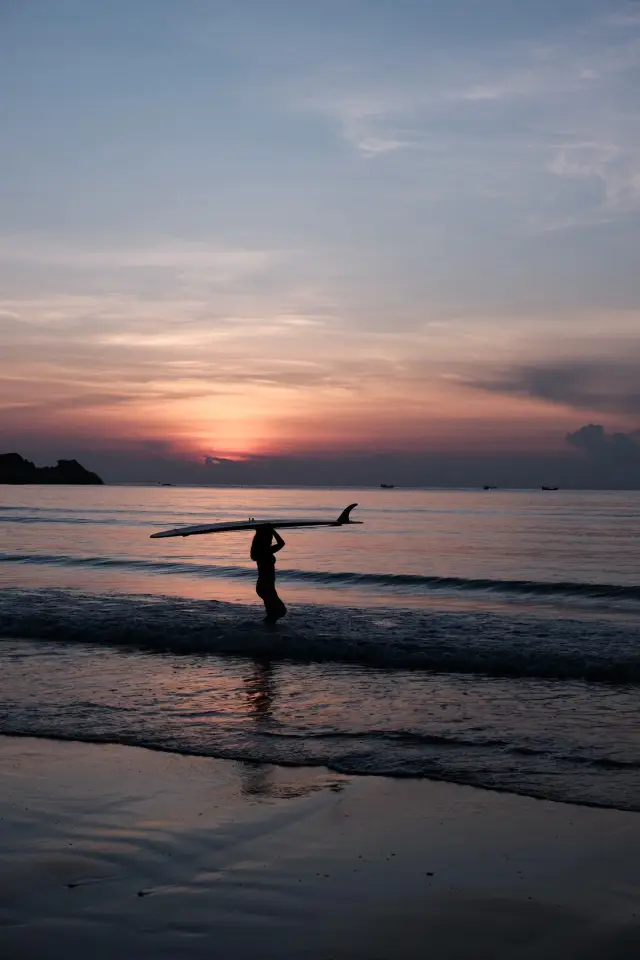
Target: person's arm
279, 544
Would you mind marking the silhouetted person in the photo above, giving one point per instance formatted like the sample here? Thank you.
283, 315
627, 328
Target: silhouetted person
262, 551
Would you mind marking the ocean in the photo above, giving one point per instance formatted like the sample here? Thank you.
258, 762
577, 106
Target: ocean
490, 638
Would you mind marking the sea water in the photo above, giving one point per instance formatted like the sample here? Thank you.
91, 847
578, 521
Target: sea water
482, 637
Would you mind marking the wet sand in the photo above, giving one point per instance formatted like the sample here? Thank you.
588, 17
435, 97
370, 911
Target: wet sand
122, 852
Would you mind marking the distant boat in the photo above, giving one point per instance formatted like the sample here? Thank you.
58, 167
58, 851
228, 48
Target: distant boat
549, 488
387, 486
166, 484
488, 487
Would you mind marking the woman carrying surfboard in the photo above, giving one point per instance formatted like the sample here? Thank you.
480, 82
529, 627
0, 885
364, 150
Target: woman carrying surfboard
263, 552
262, 548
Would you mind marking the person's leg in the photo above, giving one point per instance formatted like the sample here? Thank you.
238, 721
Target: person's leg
263, 592
273, 605
277, 609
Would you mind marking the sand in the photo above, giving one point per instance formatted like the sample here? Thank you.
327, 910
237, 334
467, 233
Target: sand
109, 851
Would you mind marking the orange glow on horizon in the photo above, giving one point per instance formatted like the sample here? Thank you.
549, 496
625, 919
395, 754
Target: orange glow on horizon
493, 425
240, 421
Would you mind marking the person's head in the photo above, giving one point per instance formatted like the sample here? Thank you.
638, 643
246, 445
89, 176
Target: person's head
261, 541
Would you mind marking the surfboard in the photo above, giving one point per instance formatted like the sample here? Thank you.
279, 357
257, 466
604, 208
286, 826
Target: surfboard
252, 524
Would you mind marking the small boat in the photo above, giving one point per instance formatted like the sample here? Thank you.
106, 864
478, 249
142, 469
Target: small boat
387, 486
488, 487
549, 488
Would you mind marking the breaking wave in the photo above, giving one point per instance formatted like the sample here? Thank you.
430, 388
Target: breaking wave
469, 643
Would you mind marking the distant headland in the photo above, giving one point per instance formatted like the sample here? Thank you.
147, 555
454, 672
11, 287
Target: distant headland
15, 469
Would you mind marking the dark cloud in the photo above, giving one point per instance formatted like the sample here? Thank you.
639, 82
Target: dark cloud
593, 440
601, 385
610, 459
220, 461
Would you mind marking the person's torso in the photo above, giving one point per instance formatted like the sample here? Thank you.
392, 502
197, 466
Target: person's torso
266, 565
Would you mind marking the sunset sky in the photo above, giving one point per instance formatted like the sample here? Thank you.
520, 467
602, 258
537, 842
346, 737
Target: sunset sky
307, 236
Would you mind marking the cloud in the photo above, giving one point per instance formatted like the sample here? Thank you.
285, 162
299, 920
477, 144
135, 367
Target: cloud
606, 386
224, 263
614, 449
629, 17
550, 126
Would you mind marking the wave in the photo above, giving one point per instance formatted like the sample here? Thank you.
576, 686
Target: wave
362, 740
544, 783
468, 643
401, 581
413, 738
76, 521
63, 517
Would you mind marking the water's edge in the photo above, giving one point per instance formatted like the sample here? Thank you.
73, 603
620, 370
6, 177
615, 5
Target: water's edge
338, 768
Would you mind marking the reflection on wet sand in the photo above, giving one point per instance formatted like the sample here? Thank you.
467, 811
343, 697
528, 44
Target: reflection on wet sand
264, 779
260, 689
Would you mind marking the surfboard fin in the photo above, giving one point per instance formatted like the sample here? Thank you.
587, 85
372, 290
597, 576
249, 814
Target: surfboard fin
344, 516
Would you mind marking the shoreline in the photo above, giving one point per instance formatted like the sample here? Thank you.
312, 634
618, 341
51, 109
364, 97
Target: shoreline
317, 769
141, 853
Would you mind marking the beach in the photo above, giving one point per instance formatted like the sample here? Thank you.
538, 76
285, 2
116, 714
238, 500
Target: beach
434, 755
121, 851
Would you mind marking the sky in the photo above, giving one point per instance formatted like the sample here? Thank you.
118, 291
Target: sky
341, 241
